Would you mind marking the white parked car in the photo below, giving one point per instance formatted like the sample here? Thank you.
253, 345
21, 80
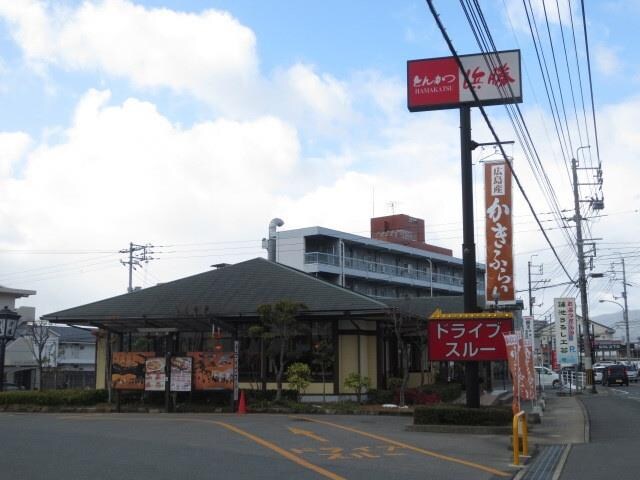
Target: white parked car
547, 377
597, 373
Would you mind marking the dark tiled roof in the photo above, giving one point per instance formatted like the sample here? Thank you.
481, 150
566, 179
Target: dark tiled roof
73, 335
227, 292
425, 306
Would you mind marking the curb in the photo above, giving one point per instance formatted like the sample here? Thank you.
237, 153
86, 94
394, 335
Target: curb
587, 421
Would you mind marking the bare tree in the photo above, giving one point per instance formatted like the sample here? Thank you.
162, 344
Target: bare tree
324, 357
420, 343
399, 326
37, 338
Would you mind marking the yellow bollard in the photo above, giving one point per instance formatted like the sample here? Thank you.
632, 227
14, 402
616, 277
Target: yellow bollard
521, 416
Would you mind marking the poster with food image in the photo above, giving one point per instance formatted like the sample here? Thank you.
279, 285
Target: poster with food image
212, 371
155, 378
128, 370
181, 374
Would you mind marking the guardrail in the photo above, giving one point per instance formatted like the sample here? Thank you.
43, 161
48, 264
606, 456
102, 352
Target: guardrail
574, 380
520, 418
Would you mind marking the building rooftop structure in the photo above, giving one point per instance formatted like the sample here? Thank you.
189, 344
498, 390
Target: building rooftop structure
394, 263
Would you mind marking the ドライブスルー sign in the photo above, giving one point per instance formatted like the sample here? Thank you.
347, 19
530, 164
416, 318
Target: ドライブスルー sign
438, 83
468, 336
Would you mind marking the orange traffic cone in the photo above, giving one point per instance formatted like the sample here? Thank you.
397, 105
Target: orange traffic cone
242, 404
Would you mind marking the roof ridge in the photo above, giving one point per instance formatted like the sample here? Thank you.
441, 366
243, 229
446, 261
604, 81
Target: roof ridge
333, 285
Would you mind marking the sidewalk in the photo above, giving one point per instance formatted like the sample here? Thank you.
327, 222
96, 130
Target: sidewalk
564, 422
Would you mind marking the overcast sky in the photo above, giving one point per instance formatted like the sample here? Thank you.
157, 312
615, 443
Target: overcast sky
189, 125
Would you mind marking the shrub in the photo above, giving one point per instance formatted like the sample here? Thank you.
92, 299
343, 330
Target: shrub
358, 383
380, 396
415, 396
299, 376
448, 392
254, 396
460, 415
394, 383
53, 397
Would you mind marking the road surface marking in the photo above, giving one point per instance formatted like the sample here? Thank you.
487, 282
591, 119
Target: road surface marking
307, 433
289, 456
410, 447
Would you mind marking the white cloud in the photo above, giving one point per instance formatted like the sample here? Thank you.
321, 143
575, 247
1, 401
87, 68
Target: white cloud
127, 165
517, 15
607, 60
209, 55
13, 146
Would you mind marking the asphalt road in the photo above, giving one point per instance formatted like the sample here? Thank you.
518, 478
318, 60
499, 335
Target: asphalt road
614, 450
194, 447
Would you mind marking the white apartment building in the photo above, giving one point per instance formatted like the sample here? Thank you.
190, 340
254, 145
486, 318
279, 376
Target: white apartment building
394, 263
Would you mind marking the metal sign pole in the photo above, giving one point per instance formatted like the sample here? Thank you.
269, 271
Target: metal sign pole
468, 248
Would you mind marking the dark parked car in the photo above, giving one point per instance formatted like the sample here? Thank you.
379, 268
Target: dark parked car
615, 375
7, 387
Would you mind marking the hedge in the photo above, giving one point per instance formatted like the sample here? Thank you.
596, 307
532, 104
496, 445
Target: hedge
415, 396
444, 414
53, 397
448, 392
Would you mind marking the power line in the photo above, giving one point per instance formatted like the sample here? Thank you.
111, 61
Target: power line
491, 128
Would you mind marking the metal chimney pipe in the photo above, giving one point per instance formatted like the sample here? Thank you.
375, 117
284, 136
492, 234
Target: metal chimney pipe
271, 241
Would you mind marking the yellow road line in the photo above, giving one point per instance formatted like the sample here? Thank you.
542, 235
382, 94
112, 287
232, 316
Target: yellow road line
307, 433
410, 447
288, 455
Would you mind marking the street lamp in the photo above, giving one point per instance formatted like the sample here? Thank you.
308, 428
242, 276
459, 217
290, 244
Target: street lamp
625, 316
8, 324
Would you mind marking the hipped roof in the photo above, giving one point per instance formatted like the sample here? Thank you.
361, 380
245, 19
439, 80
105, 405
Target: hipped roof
228, 293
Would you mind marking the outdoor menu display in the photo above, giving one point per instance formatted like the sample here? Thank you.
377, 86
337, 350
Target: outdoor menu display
195, 371
155, 377
128, 370
212, 371
181, 374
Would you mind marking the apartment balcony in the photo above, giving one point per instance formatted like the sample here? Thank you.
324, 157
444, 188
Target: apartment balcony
327, 262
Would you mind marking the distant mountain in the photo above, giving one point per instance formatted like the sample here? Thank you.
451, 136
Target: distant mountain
615, 321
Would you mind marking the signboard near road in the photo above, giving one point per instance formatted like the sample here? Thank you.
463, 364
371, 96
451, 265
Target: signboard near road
499, 233
438, 83
468, 336
566, 331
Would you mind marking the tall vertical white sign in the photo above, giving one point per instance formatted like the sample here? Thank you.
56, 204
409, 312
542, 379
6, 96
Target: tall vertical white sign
566, 331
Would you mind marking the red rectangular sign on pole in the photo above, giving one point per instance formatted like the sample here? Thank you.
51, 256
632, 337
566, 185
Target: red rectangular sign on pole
438, 83
499, 233
468, 339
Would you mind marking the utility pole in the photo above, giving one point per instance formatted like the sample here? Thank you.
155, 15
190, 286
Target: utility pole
530, 297
626, 308
533, 285
137, 254
582, 278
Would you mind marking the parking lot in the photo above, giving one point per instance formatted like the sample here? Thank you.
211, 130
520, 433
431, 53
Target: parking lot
128, 446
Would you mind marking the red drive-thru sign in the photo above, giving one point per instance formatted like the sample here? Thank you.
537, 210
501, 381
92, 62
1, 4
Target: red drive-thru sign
468, 336
438, 83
